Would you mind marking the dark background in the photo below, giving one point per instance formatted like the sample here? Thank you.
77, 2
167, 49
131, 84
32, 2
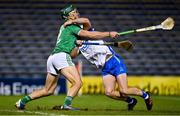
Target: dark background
29, 29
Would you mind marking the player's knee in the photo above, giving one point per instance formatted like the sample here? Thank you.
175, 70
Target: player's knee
79, 84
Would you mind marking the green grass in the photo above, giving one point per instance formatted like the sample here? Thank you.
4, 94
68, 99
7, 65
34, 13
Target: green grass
96, 104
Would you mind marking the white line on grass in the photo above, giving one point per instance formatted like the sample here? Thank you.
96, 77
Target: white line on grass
30, 112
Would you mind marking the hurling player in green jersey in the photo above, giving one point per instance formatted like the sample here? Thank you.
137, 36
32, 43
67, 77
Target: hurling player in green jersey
60, 62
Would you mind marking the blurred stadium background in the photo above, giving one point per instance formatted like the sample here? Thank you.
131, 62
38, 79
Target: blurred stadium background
29, 28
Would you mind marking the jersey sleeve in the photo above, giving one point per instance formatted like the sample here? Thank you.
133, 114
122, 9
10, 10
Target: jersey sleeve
75, 29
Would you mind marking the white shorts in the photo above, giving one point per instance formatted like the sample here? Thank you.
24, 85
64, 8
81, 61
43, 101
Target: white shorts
58, 61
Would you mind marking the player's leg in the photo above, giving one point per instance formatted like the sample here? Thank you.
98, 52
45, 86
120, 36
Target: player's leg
119, 71
48, 89
109, 85
109, 82
62, 63
114, 67
122, 81
72, 75
50, 85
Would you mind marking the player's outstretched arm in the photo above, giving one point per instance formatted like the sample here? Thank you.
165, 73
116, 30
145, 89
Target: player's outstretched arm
86, 26
98, 35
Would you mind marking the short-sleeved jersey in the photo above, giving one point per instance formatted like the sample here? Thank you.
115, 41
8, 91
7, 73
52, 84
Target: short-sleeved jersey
66, 39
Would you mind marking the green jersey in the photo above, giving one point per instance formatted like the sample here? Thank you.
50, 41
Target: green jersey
66, 39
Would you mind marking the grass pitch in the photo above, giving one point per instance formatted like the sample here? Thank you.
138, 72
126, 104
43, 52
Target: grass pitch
95, 105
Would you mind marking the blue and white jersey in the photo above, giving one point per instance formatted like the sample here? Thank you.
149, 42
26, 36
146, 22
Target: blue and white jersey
96, 54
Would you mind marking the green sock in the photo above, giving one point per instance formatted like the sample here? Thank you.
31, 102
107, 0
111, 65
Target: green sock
26, 99
68, 100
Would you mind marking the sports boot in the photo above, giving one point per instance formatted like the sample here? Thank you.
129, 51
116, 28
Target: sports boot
19, 105
149, 102
131, 105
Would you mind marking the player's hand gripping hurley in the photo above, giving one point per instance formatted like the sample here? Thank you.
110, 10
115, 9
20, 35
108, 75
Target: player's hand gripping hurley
167, 24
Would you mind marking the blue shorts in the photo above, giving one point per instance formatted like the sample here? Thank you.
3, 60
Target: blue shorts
114, 66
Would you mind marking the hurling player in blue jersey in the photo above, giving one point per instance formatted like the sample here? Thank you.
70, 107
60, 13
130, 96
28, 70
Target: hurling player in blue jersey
113, 70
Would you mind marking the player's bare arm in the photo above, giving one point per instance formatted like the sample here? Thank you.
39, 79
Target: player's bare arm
98, 35
84, 21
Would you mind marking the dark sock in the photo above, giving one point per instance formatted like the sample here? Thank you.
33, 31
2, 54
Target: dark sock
129, 100
145, 95
68, 100
26, 99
